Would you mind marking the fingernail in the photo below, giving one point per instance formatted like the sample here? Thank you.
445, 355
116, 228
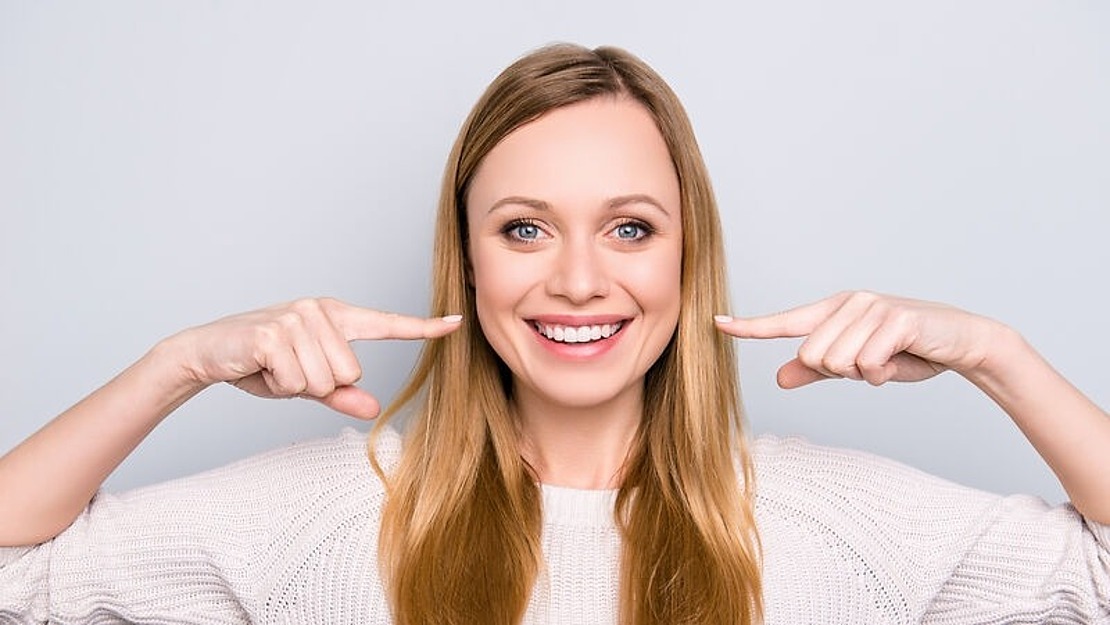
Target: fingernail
452, 318
722, 318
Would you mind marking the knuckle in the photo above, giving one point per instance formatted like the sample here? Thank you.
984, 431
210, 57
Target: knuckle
812, 362
290, 319
288, 386
884, 305
900, 317
870, 364
838, 365
328, 304
809, 356
305, 305
866, 297
320, 388
871, 370
345, 376
268, 335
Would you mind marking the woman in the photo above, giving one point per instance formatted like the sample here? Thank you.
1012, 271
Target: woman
576, 454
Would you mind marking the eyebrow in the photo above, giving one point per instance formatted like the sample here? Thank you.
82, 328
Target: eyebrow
611, 204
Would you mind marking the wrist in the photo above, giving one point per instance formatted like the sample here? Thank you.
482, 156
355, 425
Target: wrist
169, 363
1007, 356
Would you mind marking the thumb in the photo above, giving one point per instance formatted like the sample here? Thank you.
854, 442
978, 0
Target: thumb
351, 401
794, 374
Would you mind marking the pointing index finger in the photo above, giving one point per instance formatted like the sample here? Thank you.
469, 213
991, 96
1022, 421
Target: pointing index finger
356, 323
793, 323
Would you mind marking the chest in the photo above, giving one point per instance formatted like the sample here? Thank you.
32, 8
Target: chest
811, 575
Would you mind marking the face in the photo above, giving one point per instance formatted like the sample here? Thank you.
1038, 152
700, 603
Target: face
576, 251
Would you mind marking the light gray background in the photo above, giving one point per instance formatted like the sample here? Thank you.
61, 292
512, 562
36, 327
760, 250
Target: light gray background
166, 163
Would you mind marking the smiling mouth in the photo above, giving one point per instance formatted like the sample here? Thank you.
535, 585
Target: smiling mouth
577, 334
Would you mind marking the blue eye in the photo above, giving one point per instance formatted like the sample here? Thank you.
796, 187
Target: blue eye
526, 231
632, 231
522, 230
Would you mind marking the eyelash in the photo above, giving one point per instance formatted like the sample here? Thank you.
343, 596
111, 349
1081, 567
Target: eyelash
644, 227
508, 230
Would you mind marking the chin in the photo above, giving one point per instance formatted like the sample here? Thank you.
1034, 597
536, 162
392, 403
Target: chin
577, 392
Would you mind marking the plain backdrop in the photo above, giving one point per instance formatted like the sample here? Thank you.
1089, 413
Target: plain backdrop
163, 164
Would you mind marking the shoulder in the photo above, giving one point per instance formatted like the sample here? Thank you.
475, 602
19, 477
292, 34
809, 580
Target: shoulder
320, 474
854, 490
278, 507
343, 457
261, 533
877, 537
797, 463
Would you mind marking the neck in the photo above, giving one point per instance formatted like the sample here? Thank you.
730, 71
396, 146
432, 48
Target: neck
578, 446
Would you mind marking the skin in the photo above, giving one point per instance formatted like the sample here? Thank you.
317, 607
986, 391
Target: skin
576, 420
300, 349
575, 216
880, 338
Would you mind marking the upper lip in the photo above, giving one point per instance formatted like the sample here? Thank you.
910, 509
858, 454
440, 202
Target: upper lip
578, 320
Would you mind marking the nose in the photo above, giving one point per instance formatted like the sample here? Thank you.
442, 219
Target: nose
578, 273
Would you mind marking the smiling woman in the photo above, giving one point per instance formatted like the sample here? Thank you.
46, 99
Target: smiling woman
577, 452
568, 151
603, 251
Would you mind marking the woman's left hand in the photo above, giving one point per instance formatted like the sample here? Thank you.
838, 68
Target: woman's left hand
878, 338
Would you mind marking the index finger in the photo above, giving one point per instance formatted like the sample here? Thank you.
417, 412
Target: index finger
793, 323
357, 323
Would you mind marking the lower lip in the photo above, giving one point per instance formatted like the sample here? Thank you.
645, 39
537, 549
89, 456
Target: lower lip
579, 351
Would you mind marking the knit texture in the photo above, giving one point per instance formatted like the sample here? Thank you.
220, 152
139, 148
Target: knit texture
290, 536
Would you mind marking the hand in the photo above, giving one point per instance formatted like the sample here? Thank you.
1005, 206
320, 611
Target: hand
872, 337
299, 349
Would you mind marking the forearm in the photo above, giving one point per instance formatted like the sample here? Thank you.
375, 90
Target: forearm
48, 479
1069, 431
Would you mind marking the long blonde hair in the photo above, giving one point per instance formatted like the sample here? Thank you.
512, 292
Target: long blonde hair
460, 534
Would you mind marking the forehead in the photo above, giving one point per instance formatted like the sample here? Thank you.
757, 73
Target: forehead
582, 153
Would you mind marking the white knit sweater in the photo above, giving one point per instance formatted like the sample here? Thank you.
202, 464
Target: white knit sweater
291, 536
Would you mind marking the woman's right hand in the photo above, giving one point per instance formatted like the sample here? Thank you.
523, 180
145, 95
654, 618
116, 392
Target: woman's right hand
298, 349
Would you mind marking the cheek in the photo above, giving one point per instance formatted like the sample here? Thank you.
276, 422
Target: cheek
656, 282
499, 285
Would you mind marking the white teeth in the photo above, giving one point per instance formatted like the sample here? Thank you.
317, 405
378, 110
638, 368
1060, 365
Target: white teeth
578, 334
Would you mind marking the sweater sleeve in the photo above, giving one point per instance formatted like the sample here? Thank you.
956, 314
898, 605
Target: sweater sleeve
1024, 561
176, 552
19, 602
888, 543
193, 550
